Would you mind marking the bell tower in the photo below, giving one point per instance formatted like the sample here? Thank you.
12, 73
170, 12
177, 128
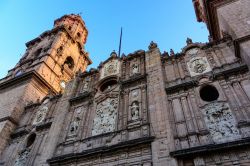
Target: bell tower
50, 61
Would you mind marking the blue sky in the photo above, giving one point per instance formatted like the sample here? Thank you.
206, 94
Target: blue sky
167, 22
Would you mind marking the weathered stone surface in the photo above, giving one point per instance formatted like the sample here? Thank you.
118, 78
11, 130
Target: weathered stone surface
145, 108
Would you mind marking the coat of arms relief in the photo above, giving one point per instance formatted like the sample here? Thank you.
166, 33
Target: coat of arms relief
105, 119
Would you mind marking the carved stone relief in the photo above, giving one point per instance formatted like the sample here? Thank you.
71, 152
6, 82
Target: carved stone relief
85, 86
220, 122
75, 123
198, 65
22, 158
40, 115
110, 68
105, 119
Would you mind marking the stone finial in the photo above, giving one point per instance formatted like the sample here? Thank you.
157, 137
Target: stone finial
165, 53
152, 45
172, 52
113, 54
189, 41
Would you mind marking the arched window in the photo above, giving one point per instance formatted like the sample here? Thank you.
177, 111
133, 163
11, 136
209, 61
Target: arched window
69, 62
31, 140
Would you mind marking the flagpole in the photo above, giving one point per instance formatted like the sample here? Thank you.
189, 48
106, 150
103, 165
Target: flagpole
120, 44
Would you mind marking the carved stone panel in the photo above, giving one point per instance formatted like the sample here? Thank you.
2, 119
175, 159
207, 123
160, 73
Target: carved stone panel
110, 68
75, 123
105, 119
22, 158
220, 122
198, 65
40, 115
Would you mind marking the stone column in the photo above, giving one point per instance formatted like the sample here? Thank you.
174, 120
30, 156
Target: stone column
157, 102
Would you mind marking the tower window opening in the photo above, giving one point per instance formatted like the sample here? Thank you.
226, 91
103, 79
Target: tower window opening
209, 93
69, 62
31, 140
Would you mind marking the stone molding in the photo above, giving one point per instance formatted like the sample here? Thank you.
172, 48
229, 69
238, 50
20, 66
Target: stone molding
74, 156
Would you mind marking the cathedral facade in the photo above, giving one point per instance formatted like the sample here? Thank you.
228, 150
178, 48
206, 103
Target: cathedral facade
190, 108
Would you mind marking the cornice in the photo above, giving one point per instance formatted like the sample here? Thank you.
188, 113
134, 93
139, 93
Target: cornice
190, 82
24, 77
208, 149
106, 149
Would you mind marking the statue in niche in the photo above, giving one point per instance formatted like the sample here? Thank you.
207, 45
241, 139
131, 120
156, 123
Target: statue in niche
135, 110
22, 158
85, 87
74, 126
220, 122
105, 118
40, 115
135, 69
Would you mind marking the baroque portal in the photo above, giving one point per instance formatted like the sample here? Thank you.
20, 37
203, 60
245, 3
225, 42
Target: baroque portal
105, 119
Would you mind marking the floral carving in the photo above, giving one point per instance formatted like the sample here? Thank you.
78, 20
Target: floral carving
105, 118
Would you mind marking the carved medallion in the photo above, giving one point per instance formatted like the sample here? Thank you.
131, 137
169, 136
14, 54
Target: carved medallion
198, 65
135, 69
220, 122
105, 118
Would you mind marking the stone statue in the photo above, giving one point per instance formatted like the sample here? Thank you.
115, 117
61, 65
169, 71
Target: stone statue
135, 111
74, 126
135, 69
